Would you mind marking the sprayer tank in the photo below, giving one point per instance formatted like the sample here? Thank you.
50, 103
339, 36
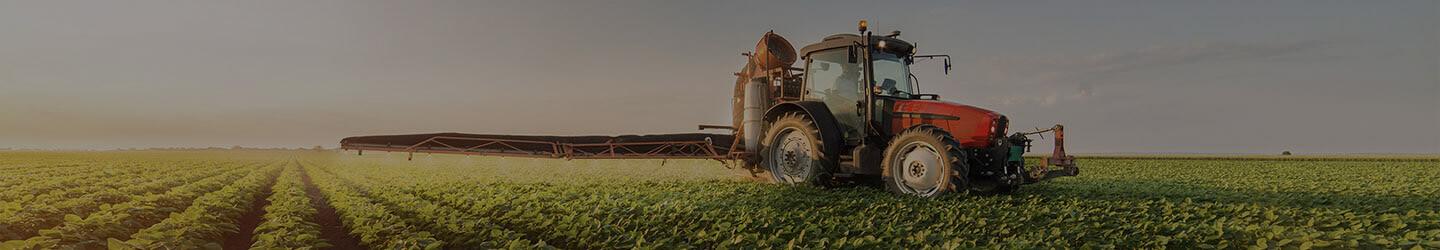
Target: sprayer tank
755, 101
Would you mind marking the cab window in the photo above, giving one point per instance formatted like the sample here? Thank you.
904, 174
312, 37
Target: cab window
892, 75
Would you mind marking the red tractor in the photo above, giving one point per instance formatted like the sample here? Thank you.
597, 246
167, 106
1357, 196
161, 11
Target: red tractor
853, 113
855, 110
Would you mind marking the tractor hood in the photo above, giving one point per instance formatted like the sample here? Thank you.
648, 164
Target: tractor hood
971, 126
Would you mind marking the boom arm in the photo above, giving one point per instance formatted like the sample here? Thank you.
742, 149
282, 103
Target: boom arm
693, 145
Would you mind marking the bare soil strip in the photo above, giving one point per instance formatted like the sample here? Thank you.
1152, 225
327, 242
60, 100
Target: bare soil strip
245, 237
331, 229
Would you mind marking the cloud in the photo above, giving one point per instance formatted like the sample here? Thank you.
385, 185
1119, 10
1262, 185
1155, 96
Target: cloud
1077, 78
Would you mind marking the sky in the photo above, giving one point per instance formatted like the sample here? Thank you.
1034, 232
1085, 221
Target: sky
1123, 76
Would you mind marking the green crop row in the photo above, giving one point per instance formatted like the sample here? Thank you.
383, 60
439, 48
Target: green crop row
289, 219
375, 225
453, 226
70, 179
123, 219
28, 173
203, 224
23, 220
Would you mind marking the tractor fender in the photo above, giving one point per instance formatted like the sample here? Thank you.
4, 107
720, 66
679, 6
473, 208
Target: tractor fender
829, 130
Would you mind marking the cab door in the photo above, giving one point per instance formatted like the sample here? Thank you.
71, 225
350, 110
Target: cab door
891, 74
832, 79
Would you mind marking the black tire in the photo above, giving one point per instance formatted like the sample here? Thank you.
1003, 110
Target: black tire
951, 174
810, 167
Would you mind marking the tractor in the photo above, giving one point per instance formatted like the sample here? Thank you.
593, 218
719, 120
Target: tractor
855, 112
852, 114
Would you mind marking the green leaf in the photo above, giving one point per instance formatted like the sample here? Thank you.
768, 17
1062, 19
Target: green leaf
116, 244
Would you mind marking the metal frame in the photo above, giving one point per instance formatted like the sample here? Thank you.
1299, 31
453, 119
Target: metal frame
1058, 164
701, 149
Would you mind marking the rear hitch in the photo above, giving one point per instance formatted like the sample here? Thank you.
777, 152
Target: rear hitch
1058, 164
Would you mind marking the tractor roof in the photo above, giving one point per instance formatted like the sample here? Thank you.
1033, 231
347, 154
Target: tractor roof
842, 40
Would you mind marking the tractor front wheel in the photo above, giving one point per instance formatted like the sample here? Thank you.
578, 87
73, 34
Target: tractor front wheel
926, 162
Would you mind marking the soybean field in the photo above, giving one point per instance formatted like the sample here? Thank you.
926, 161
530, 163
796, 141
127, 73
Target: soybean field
326, 199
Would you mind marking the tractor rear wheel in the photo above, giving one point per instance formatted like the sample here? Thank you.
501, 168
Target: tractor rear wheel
793, 153
926, 162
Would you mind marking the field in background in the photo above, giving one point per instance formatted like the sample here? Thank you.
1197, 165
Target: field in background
297, 198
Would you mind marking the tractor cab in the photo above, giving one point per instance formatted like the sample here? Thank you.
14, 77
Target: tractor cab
846, 75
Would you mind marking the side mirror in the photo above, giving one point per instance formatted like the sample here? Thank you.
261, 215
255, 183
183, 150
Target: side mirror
946, 57
947, 66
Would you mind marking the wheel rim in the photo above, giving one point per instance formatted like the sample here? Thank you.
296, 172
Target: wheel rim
790, 156
919, 169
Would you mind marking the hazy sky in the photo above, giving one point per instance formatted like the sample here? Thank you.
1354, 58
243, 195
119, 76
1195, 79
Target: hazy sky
1132, 76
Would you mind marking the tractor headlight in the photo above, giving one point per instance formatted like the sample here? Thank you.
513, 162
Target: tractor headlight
882, 44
